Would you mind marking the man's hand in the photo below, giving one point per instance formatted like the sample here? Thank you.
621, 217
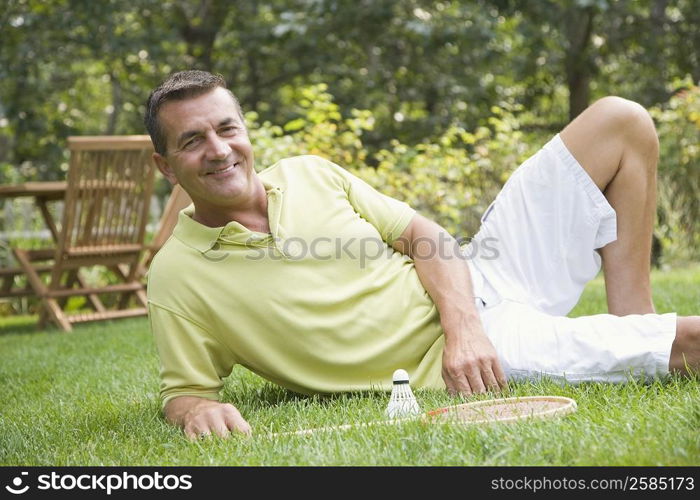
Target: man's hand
470, 365
201, 417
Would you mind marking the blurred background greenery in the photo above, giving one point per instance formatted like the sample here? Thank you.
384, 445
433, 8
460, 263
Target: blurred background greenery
433, 102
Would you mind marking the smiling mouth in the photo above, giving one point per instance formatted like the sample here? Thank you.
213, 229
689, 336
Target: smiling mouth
223, 170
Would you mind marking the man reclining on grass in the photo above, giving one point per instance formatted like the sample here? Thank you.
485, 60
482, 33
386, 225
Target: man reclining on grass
310, 278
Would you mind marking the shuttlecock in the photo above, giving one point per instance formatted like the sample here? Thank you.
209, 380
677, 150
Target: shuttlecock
402, 402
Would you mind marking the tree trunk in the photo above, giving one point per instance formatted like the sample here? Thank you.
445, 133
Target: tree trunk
199, 25
116, 105
252, 57
578, 61
253, 82
659, 26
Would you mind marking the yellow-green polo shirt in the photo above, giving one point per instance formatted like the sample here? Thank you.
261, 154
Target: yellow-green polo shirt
322, 304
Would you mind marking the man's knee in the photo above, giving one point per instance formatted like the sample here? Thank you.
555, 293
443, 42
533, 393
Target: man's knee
619, 108
625, 114
629, 118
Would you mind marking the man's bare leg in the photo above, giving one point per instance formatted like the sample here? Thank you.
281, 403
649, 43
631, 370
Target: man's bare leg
616, 143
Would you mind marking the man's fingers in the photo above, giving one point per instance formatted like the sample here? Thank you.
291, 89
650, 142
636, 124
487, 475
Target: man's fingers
449, 385
457, 384
236, 422
500, 375
216, 418
480, 380
476, 382
222, 431
194, 434
205, 426
490, 380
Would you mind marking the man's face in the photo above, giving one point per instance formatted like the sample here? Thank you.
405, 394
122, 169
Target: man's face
208, 150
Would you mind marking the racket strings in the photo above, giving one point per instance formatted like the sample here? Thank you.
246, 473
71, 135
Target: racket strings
502, 410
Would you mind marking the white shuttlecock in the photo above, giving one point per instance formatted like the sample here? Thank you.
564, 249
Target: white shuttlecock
402, 402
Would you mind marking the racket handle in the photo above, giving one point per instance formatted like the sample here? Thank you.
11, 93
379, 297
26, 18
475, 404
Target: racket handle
439, 411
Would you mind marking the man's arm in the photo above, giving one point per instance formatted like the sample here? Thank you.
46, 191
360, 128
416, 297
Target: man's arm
200, 417
469, 362
194, 361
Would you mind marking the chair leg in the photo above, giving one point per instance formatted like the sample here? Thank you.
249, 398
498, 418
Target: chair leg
7, 283
56, 313
70, 279
142, 298
123, 271
73, 277
49, 304
43, 317
93, 298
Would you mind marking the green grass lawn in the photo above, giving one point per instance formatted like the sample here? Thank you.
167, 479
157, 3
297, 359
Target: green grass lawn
90, 398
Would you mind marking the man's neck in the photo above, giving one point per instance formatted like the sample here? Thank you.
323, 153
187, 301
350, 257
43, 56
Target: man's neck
252, 213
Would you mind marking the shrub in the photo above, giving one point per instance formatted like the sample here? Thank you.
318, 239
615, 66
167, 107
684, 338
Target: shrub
678, 123
451, 180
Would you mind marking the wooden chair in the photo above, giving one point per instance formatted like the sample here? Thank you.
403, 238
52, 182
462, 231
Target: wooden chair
178, 200
106, 206
42, 193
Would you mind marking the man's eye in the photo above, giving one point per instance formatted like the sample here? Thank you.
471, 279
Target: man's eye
228, 130
192, 144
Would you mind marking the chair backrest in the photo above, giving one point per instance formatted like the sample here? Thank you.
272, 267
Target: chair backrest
178, 200
110, 183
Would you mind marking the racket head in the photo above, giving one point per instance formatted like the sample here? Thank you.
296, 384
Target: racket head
478, 412
503, 410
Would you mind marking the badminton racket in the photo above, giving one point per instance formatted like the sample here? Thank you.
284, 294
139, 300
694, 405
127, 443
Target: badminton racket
479, 412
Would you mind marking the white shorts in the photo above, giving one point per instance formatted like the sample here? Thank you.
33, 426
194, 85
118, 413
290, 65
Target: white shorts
531, 259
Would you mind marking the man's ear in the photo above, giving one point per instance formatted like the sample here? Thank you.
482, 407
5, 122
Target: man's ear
165, 168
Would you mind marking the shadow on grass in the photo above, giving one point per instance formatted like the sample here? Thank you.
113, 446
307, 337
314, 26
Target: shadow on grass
28, 324
23, 325
269, 394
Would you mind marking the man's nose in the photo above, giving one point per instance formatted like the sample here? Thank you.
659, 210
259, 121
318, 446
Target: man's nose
217, 149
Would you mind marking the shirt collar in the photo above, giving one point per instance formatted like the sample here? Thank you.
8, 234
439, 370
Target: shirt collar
203, 238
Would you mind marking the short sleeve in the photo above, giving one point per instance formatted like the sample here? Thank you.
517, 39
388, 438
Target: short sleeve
388, 215
192, 362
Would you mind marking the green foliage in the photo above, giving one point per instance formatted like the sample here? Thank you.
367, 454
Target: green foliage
421, 72
451, 180
318, 128
84, 67
454, 177
678, 125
